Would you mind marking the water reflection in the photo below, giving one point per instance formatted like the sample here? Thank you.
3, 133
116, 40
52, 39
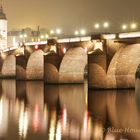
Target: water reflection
32, 111
118, 113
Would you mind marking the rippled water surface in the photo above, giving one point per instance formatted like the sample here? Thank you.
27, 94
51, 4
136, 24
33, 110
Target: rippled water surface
35, 111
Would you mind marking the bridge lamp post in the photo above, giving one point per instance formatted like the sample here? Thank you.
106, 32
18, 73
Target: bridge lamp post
51, 32
96, 26
124, 27
133, 26
58, 31
82, 32
76, 33
42, 37
106, 26
46, 36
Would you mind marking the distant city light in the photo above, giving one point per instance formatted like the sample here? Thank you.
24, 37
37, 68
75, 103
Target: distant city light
82, 31
133, 26
106, 24
124, 26
76, 33
58, 31
96, 26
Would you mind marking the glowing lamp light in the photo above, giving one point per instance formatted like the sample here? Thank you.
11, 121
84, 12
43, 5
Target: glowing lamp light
36, 47
76, 33
46, 35
124, 27
58, 31
21, 36
96, 26
42, 36
83, 32
106, 24
25, 35
51, 31
133, 26
64, 50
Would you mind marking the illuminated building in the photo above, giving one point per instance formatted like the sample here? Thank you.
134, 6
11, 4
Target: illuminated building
3, 29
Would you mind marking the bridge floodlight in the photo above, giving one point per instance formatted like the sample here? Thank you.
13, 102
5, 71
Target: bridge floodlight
124, 26
51, 31
105, 24
42, 36
58, 31
46, 35
76, 33
25, 35
133, 26
21, 36
82, 31
96, 26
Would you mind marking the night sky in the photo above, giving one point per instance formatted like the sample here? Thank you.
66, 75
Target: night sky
70, 14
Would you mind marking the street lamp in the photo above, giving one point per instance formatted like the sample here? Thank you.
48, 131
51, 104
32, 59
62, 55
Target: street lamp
51, 32
82, 31
96, 26
133, 26
58, 31
106, 25
76, 33
124, 27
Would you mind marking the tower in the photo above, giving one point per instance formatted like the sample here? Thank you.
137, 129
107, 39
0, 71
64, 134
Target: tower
3, 29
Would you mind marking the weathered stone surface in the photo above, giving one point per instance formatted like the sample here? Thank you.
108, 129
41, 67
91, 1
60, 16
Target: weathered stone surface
97, 76
97, 70
9, 66
138, 72
122, 69
72, 66
51, 73
35, 66
20, 73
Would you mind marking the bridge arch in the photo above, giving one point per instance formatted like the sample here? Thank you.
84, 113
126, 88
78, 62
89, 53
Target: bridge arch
35, 66
9, 67
72, 66
51, 73
123, 66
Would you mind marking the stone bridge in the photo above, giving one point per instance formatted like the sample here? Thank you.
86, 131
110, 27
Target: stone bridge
53, 62
111, 59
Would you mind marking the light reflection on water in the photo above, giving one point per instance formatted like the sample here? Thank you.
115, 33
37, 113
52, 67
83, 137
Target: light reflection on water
34, 111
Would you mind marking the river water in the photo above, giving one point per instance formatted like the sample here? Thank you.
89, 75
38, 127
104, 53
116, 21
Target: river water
35, 111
